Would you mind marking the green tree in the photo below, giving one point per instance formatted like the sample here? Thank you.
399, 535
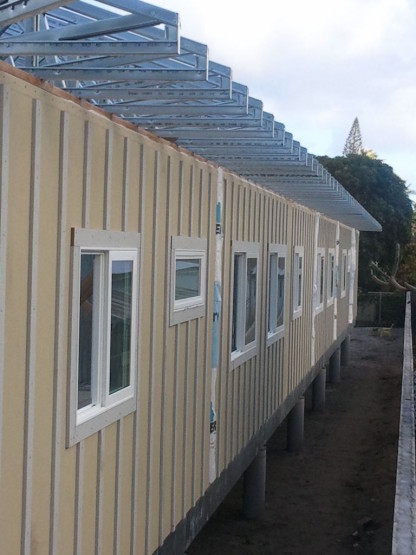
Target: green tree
384, 194
354, 142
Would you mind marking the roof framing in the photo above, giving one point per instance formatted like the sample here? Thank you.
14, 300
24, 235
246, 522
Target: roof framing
128, 57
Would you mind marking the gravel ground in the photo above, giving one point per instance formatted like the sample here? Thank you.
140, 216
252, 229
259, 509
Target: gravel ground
337, 495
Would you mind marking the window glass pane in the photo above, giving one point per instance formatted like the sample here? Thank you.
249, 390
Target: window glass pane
251, 291
120, 333
344, 272
321, 285
280, 291
299, 281
331, 276
187, 278
235, 302
86, 316
273, 292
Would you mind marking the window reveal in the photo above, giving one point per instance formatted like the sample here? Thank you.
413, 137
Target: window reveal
104, 330
277, 270
244, 302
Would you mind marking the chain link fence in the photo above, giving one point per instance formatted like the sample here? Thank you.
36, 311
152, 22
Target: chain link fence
381, 309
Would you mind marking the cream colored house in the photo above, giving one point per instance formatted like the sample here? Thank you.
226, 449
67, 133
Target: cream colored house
160, 315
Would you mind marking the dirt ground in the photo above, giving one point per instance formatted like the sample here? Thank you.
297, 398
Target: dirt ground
337, 495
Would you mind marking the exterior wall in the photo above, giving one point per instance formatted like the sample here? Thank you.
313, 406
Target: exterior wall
125, 488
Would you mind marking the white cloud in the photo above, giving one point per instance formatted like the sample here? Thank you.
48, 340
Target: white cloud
317, 65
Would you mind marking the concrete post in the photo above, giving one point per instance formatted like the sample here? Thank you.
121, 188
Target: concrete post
295, 422
345, 351
335, 367
254, 496
318, 391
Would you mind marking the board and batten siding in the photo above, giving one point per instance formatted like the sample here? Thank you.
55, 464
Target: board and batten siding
125, 488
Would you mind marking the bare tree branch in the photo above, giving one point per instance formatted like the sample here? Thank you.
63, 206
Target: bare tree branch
390, 279
397, 285
410, 287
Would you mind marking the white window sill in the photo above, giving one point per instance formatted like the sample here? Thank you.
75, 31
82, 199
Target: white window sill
297, 313
92, 420
240, 357
272, 337
179, 316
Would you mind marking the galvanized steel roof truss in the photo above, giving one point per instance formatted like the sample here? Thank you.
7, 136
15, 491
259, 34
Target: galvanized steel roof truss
127, 57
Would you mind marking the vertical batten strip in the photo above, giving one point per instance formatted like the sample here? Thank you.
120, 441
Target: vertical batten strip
79, 489
107, 177
198, 407
351, 289
4, 194
193, 186
249, 369
120, 423
126, 184
99, 500
191, 200
261, 361
243, 214
119, 464
79, 475
59, 333
185, 423
86, 185
165, 350
235, 192
250, 225
315, 288
207, 353
31, 327
136, 443
152, 353
224, 219
175, 488
180, 198
195, 421
264, 378
201, 205
174, 435
336, 286
185, 477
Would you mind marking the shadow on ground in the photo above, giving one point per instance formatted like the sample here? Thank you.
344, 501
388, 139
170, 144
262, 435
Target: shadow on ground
337, 495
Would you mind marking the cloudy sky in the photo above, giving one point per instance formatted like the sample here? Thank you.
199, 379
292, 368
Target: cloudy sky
317, 65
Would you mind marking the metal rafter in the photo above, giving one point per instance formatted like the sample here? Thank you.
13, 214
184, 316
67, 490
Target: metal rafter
12, 11
127, 57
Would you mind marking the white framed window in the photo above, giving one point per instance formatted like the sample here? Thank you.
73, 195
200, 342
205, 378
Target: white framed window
188, 279
297, 281
344, 270
276, 299
244, 312
104, 319
331, 276
320, 279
